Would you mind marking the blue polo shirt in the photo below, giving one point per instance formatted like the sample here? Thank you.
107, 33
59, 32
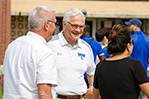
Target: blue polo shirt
96, 47
105, 50
141, 48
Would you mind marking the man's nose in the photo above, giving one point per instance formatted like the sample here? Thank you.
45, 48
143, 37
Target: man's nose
78, 29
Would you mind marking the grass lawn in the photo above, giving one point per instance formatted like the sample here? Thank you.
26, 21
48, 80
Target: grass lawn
1, 93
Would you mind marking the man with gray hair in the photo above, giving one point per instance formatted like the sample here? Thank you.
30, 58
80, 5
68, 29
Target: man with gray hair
29, 65
74, 57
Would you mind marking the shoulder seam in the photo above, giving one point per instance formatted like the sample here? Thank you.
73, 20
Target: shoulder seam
86, 44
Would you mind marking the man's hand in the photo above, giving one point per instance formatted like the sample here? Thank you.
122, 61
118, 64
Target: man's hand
44, 91
89, 94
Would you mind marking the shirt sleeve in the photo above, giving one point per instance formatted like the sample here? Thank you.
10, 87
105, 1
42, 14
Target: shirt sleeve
100, 50
140, 73
46, 72
91, 65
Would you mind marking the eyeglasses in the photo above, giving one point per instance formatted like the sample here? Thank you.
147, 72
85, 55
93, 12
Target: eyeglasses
132, 42
75, 26
56, 23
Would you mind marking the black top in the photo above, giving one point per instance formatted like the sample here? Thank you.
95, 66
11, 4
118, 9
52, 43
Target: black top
119, 79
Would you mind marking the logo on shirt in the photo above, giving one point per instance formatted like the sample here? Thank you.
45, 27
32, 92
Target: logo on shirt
81, 55
59, 53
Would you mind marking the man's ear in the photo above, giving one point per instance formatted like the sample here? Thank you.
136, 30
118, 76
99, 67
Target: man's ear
64, 25
46, 26
128, 47
135, 25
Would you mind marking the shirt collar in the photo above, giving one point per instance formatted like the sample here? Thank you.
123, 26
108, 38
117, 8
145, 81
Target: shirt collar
79, 43
36, 36
64, 42
62, 39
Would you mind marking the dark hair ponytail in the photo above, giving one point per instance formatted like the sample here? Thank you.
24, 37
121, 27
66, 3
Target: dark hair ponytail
119, 37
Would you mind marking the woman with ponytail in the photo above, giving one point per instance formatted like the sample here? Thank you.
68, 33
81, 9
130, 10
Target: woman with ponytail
120, 77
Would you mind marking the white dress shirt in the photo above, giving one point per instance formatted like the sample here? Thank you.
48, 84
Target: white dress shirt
28, 62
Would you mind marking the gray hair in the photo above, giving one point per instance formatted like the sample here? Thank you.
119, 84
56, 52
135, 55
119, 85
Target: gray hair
38, 17
72, 12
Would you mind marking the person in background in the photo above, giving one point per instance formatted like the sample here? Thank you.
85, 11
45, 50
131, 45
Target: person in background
120, 77
29, 65
96, 47
74, 57
141, 45
102, 37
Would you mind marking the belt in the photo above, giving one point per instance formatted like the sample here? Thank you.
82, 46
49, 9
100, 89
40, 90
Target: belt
70, 96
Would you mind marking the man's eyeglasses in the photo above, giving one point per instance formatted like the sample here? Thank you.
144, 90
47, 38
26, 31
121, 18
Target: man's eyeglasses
132, 42
56, 23
75, 26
